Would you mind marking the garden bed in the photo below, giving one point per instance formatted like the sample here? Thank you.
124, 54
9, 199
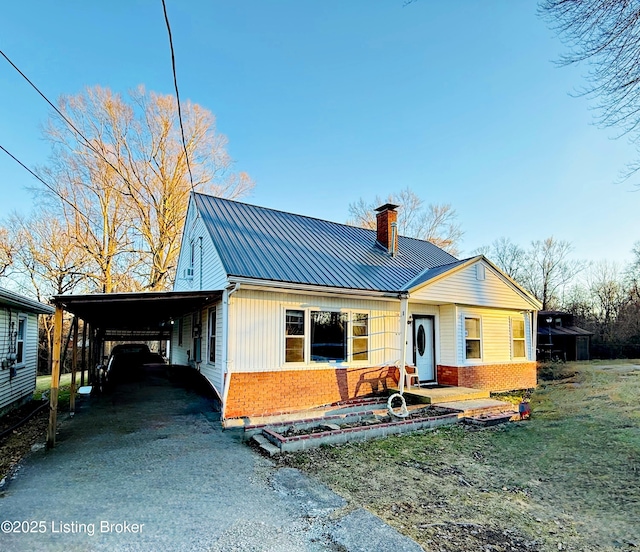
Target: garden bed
354, 427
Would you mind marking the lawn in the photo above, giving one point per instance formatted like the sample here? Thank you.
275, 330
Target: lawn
568, 479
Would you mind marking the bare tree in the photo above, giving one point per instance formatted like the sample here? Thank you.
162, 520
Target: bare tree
608, 294
605, 34
548, 270
507, 256
122, 181
436, 223
47, 256
7, 251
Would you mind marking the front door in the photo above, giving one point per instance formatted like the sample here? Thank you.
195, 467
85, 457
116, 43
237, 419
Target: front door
423, 347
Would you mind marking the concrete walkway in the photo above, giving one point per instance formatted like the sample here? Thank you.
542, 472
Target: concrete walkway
148, 468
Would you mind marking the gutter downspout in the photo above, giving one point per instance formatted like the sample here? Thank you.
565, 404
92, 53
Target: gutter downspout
226, 299
200, 263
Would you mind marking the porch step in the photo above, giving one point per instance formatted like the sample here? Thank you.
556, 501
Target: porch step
265, 445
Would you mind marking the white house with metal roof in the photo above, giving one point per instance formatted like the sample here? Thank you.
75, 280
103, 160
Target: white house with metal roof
313, 312
18, 347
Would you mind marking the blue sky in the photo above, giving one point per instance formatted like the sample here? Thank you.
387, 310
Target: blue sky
324, 102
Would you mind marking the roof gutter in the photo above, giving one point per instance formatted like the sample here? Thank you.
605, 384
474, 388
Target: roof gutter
292, 287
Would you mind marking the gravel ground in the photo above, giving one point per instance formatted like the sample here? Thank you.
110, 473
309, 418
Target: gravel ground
148, 468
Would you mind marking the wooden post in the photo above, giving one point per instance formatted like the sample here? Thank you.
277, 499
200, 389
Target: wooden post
91, 355
74, 366
83, 361
55, 377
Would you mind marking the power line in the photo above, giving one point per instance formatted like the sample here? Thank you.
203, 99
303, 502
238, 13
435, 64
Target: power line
175, 83
86, 141
49, 186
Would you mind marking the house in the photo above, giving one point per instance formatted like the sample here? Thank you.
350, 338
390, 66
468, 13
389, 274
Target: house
559, 337
18, 348
312, 312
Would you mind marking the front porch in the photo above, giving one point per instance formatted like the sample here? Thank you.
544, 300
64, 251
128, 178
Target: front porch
443, 393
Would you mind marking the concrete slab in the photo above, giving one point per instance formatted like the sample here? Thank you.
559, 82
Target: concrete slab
474, 405
154, 455
361, 531
313, 498
438, 395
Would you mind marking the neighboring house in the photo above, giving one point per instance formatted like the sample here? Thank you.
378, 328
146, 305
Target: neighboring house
312, 312
18, 348
559, 337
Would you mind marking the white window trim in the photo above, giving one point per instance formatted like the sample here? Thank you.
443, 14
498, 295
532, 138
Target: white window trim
352, 337
210, 335
523, 338
283, 334
349, 361
464, 339
20, 317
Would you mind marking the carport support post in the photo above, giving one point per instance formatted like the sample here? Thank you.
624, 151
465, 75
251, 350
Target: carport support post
83, 360
55, 376
74, 366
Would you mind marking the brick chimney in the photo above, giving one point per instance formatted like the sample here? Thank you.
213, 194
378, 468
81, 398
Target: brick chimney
387, 216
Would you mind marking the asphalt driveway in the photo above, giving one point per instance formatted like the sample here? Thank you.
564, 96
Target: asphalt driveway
149, 468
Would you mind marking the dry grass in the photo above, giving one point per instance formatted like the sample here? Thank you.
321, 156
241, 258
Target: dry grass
568, 479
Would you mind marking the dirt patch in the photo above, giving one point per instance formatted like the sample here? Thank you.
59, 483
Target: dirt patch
19, 442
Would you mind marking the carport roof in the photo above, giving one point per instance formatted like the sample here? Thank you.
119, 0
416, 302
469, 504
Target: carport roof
135, 315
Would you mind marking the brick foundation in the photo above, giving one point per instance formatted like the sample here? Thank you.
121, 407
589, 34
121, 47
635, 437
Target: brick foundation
271, 393
492, 377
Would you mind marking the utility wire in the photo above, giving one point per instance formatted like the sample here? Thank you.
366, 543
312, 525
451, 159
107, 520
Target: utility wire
175, 83
86, 141
49, 186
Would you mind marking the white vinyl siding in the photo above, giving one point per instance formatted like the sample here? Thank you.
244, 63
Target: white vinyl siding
206, 257
463, 287
447, 334
257, 329
23, 384
179, 351
213, 372
496, 336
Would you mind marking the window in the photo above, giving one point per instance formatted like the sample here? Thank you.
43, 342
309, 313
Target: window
472, 338
212, 335
328, 336
180, 329
360, 330
517, 338
192, 254
22, 326
294, 336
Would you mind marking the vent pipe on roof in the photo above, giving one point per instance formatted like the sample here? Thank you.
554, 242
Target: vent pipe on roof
386, 235
394, 238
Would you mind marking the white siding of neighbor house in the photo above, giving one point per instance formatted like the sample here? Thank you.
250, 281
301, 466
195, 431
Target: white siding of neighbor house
214, 372
496, 341
464, 287
206, 261
257, 321
23, 384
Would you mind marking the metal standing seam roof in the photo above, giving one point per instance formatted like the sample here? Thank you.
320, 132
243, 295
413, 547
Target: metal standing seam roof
266, 244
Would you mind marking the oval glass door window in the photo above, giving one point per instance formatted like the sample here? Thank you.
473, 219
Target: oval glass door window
421, 340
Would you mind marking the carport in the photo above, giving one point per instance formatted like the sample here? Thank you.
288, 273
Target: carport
144, 316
